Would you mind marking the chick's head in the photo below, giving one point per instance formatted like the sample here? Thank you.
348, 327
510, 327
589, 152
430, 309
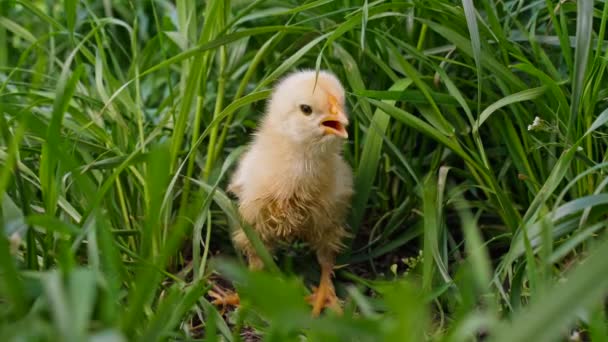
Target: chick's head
307, 109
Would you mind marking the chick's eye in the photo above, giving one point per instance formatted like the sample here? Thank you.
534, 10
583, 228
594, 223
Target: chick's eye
306, 109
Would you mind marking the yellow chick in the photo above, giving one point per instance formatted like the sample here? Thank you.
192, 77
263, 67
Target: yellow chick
292, 182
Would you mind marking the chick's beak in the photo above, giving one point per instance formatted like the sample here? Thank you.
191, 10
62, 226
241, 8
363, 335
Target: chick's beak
335, 122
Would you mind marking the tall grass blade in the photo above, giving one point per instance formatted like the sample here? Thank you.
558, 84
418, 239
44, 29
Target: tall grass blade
370, 157
584, 22
547, 318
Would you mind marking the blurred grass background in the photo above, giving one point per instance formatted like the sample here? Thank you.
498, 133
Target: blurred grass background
478, 145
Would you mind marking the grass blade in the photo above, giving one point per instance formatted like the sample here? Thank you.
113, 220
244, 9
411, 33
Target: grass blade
584, 22
370, 157
546, 318
524, 95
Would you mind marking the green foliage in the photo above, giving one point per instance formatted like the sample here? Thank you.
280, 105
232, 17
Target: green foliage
478, 146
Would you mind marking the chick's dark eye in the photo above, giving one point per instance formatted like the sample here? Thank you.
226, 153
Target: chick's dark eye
306, 109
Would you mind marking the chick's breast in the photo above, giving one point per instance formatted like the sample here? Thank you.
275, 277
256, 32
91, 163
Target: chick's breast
285, 198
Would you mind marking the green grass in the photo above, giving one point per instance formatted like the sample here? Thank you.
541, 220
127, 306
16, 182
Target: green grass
478, 145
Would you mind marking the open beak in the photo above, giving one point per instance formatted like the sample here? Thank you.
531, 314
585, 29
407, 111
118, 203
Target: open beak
335, 123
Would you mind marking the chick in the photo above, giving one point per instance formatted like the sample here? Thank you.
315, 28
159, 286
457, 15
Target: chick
292, 183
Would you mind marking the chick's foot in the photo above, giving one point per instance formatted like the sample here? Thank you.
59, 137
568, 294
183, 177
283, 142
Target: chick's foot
224, 298
324, 296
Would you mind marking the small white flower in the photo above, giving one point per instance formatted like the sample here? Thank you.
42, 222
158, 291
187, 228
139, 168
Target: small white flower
538, 125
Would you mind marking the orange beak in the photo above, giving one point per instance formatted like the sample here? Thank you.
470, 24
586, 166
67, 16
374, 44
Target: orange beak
335, 123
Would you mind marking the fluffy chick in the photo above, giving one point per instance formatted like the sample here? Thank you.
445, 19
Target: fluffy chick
292, 183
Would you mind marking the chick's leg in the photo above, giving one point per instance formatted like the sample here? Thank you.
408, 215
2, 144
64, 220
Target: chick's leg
324, 295
224, 297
